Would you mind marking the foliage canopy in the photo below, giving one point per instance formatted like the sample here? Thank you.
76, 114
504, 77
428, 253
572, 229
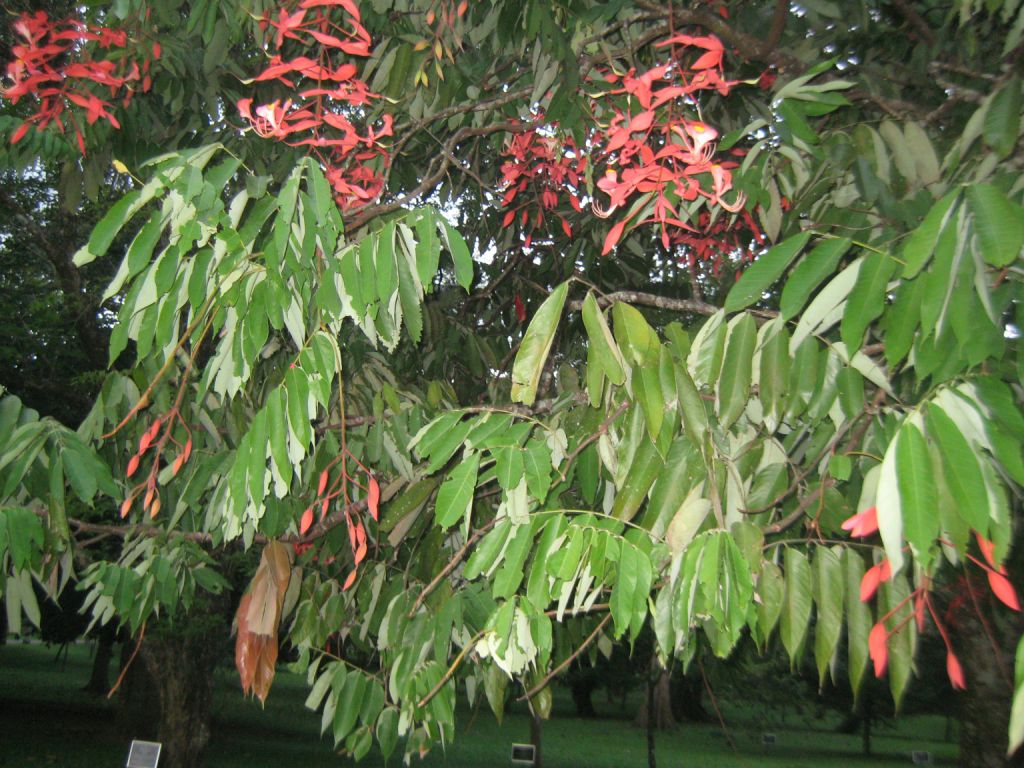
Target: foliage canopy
489, 324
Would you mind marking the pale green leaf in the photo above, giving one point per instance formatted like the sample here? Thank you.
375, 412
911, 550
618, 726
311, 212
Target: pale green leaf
735, 378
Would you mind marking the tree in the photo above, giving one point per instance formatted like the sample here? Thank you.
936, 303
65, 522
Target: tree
471, 318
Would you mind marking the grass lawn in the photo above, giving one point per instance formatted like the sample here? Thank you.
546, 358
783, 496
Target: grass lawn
45, 720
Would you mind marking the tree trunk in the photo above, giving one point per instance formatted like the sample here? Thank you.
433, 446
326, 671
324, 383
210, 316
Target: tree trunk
687, 694
652, 759
986, 652
99, 679
658, 704
535, 723
582, 691
865, 724
182, 667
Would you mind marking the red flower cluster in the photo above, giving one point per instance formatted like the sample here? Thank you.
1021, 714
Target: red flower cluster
538, 171
657, 155
328, 96
655, 151
53, 64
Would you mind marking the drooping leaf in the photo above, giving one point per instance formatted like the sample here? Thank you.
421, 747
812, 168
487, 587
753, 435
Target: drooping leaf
536, 344
796, 605
735, 378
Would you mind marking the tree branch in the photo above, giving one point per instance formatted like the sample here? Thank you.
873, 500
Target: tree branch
651, 300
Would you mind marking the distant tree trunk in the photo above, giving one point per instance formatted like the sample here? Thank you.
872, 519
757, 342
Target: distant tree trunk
582, 691
99, 679
986, 653
657, 704
687, 693
652, 758
138, 709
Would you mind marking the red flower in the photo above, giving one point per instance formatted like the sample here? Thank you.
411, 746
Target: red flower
863, 523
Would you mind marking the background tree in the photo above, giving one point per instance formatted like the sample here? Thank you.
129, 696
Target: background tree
379, 313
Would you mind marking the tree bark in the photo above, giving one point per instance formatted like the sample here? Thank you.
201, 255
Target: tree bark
535, 723
99, 679
582, 691
657, 705
985, 649
652, 758
182, 668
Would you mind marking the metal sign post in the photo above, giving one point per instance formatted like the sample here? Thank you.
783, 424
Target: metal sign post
143, 754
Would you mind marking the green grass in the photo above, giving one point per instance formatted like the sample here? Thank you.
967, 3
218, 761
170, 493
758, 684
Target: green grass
45, 720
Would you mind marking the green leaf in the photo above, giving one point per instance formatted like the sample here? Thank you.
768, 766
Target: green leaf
601, 341
647, 390
455, 497
867, 299
643, 471
903, 633
926, 162
809, 274
773, 384
858, 619
536, 344
509, 465
960, 469
828, 600
636, 338
1017, 711
796, 605
735, 378
106, 230
827, 307
537, 463
695, 417
626, 592
918, 502
1002, 118
764, 271
460, 254
888, 504
998, 222
771, 589
921, 243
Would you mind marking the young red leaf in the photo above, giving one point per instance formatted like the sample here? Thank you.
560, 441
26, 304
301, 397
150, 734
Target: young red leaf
350, 580
126, 506
877, 648
155, 508
955, 671
987, 549
187, 451
1003, 589
178, 462
613, 238
133, 465
863, 523
306, 521
19, 133
520, 308
373, 498
324, 476
323, 508
565, 227
874, 576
